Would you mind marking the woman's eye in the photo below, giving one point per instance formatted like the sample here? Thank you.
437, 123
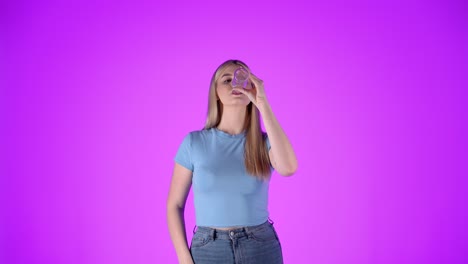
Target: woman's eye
227, 81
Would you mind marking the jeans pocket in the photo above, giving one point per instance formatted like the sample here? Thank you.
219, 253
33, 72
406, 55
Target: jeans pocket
200, 239
264, 234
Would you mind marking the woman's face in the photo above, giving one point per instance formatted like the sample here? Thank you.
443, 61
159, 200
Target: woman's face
225, 91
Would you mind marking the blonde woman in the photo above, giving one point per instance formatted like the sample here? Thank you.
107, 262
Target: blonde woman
229, 163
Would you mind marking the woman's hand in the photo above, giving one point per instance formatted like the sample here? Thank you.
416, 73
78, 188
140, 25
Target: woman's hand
257, 94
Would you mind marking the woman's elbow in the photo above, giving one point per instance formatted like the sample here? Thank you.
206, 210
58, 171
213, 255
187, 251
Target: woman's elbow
289, 171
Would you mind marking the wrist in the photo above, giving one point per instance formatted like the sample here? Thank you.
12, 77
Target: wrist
185, 258
264, 108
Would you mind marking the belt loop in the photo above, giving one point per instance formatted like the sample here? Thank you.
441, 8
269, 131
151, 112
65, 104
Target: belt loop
271, 221
213, 233
194, 229
247, 232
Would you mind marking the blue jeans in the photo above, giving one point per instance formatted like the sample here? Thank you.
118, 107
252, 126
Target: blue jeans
246, 245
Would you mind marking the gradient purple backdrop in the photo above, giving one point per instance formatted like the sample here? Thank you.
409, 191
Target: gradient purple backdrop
96, 98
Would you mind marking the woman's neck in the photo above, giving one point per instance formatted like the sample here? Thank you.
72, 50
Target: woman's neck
232, 120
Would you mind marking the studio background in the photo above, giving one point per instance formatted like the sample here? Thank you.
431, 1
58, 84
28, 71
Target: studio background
96, 97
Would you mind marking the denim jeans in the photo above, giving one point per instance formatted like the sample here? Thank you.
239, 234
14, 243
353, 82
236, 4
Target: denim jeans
246, 245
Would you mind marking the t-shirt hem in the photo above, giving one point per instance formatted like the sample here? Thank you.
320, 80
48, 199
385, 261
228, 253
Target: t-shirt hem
233, 225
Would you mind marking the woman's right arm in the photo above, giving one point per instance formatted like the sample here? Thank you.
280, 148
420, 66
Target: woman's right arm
180, 187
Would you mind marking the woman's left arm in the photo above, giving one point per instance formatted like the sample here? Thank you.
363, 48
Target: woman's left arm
282, 156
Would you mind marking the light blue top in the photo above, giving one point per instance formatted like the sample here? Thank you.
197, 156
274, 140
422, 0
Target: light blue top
225, 195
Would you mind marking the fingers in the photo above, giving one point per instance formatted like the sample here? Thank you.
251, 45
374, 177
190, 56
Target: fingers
255, 79
247, 93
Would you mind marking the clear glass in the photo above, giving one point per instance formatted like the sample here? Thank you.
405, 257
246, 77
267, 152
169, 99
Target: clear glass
241, 78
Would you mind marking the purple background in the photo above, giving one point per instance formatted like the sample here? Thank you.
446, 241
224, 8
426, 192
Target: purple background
96, 98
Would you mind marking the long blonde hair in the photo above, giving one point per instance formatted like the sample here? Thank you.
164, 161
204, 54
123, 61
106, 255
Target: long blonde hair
257, 161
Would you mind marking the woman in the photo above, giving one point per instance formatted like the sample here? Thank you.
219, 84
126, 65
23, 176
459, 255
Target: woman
229, 163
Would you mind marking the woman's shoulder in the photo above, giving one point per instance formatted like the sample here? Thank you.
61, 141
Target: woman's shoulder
199, 134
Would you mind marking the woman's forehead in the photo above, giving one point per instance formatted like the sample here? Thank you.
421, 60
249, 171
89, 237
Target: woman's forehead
229, 69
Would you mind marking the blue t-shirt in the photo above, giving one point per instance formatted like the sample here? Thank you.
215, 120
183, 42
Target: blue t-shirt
225, 195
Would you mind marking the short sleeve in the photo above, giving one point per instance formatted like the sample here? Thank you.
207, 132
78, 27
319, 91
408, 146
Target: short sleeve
267, 141
182, 156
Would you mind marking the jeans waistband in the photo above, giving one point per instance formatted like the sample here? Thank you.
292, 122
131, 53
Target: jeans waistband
233, 233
